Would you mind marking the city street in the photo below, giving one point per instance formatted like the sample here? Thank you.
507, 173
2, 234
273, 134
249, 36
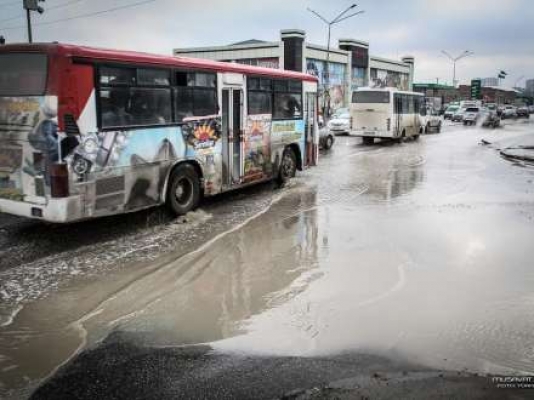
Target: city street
387, 270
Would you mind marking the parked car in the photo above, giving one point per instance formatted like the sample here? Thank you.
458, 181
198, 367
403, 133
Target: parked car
430, 120
470, 116
326, 139
340, 122
458, 116
490, 118
523, 112
509, 112
450, 111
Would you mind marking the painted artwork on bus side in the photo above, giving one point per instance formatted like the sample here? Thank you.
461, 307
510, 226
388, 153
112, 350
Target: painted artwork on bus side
257, 152
30, 126
203, 141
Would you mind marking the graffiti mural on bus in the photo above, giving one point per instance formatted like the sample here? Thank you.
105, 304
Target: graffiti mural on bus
257, 152
202, 133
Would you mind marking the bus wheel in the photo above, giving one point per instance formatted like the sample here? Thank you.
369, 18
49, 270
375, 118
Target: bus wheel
288, 166
183, 193
368, 140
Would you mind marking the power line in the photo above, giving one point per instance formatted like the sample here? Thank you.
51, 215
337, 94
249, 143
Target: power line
48, 9
62, 5
81, 15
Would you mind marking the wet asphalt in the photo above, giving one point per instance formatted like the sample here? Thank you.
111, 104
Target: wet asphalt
388, 271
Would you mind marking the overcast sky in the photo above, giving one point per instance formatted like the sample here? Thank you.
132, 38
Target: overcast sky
500, 32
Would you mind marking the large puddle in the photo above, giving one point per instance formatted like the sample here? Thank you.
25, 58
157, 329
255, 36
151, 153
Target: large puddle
406, 251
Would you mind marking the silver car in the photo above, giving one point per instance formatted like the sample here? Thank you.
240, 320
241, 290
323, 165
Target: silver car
471, 115
340, 123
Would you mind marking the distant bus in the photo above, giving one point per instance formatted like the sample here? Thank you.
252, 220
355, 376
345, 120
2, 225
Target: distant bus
87, 132
385, 114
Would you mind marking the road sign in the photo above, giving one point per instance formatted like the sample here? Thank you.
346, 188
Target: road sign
476, 89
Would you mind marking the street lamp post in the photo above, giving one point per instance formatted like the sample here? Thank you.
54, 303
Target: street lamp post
339, 18
29, 6
466, 53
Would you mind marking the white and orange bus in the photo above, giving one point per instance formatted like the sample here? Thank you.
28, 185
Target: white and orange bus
88, 132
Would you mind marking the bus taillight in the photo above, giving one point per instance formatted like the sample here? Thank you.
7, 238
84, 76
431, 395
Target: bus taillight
59, 180
389, 123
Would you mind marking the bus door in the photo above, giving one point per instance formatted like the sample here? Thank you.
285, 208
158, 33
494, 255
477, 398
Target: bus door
398, 113
232, 136
310, 117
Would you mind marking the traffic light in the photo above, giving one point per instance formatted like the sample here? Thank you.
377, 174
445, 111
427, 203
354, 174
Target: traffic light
476, 89
33, 5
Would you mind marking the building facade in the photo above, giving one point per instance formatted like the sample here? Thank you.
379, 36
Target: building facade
491, 94
349, 64
444, 92
529, 87
491, 81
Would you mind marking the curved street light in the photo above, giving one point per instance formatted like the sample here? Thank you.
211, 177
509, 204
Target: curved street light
339, 18
466, 53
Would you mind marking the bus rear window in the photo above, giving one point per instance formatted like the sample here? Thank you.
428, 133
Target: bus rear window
23, 74
370, 97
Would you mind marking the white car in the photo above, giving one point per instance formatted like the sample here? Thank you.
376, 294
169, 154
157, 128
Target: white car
471, 115
509, 112
340, 123
429, 120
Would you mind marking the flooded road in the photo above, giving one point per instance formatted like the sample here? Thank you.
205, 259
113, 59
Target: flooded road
420, 251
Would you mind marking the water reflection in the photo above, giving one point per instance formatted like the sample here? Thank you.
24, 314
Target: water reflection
392, 177
205, 296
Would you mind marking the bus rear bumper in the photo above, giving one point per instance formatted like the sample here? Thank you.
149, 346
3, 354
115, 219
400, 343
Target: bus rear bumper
376, 134
59, 210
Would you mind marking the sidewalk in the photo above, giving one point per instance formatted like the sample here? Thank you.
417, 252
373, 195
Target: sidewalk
517, 145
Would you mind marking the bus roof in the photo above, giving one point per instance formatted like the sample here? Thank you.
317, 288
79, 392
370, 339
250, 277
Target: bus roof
94, 54
386, 89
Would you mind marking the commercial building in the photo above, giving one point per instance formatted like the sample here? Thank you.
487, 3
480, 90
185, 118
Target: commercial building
349, 64
491, 94
444, 92
491, 81
529, 87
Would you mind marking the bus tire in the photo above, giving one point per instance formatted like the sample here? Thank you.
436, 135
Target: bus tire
183, 193
288, 166
368, 140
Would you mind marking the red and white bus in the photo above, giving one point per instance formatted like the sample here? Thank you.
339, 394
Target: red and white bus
88, 132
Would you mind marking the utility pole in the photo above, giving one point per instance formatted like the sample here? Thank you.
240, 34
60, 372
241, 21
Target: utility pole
466, 53
29, 6
337, 19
